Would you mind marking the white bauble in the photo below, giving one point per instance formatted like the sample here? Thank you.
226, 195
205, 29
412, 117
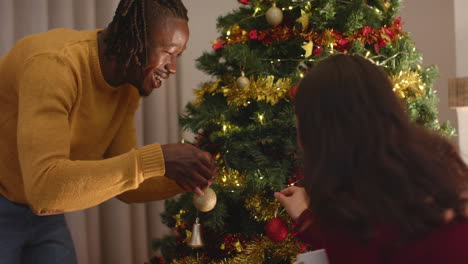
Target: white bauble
274, 16
243, 82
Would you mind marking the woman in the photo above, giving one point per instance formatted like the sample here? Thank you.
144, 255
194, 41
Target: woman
377, 183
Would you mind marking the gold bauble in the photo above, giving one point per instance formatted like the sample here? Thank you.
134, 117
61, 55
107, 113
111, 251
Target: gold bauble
243, 82
274, 15
206, 202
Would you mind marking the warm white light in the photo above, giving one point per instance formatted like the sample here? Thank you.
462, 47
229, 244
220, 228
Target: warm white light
260, 118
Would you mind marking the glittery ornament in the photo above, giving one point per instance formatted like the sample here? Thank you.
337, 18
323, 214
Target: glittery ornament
276, 229
274, 15
206, 202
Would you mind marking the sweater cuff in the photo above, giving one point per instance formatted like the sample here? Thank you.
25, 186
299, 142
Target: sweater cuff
152, 161
305, 216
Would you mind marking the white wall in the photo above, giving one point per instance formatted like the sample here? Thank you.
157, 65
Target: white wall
461, 44
202, 23
461, 37
431, 25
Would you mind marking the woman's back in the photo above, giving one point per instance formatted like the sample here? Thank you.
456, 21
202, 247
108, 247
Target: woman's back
447, 243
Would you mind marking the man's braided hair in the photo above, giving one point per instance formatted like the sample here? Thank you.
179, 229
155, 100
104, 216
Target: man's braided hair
127, 36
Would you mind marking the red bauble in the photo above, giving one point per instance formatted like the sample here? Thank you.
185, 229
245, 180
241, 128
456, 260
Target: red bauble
292, 91
276, 229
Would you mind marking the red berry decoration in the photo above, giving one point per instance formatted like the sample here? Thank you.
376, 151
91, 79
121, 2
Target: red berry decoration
276, 229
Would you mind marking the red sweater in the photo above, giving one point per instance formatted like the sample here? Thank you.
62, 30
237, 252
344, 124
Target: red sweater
447, 244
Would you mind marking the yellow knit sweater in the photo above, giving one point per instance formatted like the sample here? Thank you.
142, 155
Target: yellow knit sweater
66, 136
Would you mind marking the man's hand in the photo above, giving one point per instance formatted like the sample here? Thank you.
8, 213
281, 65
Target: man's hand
189, 167
294, 200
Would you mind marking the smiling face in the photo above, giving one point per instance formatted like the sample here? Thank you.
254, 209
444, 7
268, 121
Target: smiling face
167, 39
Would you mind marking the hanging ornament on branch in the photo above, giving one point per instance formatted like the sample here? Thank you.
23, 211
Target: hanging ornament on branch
276, 229
203, 203
206, 202
274, 15
304, 19
195, 240
308, 47
243, 81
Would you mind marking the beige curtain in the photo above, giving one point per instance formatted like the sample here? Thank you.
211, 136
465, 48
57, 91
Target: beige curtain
113, 232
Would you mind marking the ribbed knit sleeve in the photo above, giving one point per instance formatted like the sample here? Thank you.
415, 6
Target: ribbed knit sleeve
156, 186
151, 159
53, 182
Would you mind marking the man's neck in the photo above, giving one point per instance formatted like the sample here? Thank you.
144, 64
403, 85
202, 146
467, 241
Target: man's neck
113, 72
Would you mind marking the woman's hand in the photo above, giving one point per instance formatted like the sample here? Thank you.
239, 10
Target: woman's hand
294, 200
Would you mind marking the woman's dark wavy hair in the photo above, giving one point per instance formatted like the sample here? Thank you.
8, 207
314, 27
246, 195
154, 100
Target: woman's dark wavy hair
365, 162
127, 36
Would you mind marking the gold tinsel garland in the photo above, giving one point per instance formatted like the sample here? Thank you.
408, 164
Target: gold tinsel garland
255, 251
261, 89
230, 178
408, 84
261, 208
188, 260
264, 89
206, 88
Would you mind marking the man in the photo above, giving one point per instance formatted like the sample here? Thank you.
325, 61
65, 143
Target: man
66, 130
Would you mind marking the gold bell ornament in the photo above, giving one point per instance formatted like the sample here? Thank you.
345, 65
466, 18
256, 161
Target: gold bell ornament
274, 15
195, 240
203, 203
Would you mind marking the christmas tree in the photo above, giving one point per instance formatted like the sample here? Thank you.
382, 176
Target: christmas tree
244, 116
